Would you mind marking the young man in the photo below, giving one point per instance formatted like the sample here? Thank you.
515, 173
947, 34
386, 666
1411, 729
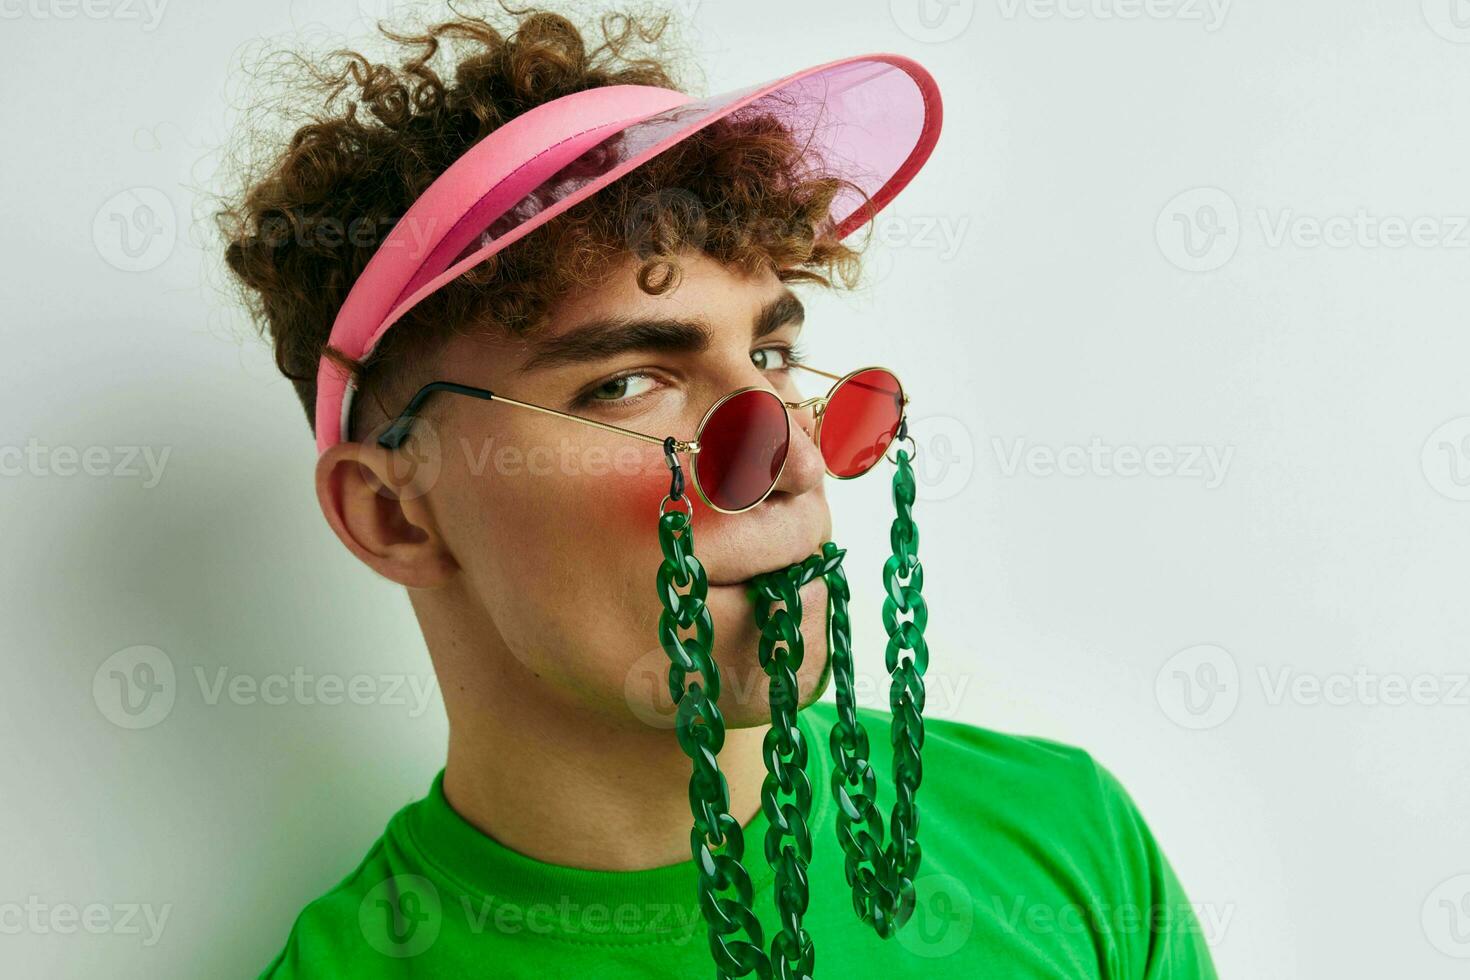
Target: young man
556, 841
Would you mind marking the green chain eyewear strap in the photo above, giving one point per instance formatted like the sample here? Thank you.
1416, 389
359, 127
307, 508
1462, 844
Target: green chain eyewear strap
716, 841
782, 651
883, 891
882, 879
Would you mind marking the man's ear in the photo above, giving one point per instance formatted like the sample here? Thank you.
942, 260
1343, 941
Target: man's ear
377, 507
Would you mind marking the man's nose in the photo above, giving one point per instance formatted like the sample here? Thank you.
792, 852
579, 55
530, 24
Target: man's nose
804, 467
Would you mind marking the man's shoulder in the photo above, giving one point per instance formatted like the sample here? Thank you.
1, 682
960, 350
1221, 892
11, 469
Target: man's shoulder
329, 932
1044, 841
1025, 796
985, 764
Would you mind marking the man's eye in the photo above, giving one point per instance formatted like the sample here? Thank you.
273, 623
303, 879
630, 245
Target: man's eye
621, 388
772, 358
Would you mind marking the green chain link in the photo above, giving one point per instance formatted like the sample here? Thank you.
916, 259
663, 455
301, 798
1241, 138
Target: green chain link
883, 892
782, 651
716, 841
882, 879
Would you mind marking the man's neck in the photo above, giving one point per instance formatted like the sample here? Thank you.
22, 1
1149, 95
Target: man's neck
562, 783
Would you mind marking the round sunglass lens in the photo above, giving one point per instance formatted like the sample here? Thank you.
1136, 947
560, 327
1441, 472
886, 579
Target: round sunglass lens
860, 420
742, 447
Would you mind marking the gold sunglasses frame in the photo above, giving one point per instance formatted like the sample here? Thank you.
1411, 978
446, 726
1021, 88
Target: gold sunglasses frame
398, 430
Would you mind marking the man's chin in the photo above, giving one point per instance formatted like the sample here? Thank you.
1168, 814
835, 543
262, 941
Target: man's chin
745, 688
745, 696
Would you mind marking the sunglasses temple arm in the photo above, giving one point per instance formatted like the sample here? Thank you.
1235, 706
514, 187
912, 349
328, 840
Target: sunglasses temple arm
393, 437
397, 431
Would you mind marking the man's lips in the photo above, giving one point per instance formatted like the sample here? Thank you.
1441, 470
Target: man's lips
774, 565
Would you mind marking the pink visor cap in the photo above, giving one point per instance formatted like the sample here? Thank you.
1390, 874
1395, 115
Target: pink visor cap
871, 120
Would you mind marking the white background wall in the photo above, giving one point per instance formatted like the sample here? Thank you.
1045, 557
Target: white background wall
1271, 656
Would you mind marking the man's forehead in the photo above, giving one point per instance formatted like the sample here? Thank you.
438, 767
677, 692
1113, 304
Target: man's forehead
709, 301
705, 288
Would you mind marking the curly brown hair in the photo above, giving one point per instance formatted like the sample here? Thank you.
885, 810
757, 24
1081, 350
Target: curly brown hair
306, 221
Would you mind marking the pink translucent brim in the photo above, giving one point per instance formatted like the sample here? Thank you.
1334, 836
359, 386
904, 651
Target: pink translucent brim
871, 120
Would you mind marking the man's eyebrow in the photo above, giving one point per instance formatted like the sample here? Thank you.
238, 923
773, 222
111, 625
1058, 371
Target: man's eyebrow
776, 314
609, 336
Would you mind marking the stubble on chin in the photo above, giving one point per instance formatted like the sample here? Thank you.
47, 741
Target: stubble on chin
745, 688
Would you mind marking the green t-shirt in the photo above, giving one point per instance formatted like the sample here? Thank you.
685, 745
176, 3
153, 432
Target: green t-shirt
1035, 864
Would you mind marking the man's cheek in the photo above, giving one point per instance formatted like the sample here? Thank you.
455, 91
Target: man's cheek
627, 496
600, 499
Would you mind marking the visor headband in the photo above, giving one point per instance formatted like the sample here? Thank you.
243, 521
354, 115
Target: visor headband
490, 178
874, 119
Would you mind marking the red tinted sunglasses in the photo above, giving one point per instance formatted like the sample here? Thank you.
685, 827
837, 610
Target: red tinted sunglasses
740, 447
